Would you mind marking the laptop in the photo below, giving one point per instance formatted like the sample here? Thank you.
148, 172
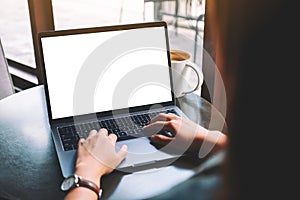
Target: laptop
114, 77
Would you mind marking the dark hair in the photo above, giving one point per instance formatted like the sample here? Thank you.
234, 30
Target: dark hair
256, 53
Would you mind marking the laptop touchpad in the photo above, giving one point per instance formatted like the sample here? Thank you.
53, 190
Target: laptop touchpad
141, 152
138, 146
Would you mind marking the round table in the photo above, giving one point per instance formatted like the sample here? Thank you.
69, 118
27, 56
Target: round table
29, 166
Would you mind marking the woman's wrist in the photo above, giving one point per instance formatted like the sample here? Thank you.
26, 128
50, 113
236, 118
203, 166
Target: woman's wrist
82, 192
222, 141
213, 141
90, 174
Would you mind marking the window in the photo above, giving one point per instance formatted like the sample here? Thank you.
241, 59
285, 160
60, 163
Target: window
16, 39
16, 32
18, 42
90, 13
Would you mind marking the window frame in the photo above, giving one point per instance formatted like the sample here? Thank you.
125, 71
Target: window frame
41, 19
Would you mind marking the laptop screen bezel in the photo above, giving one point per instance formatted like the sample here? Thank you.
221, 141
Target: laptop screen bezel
55, 33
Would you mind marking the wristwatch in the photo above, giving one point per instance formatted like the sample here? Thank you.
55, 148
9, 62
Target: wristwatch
74, 181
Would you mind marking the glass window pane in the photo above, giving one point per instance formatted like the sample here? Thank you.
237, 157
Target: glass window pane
90, 13
15, 31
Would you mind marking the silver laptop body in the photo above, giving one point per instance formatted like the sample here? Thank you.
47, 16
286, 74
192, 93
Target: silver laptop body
95, 75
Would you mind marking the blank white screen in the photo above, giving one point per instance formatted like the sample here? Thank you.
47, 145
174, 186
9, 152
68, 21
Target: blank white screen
95, 72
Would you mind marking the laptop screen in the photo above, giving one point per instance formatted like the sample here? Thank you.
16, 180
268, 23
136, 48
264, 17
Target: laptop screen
96, 70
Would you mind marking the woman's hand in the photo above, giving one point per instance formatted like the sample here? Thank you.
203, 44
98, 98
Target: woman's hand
97, 156
188, 136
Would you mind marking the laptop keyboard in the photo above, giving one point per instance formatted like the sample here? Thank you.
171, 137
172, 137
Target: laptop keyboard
123, 127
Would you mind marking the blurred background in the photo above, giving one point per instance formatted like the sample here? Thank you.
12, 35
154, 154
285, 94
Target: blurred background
19, 19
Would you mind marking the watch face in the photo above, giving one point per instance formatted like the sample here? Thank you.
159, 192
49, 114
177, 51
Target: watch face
68, 183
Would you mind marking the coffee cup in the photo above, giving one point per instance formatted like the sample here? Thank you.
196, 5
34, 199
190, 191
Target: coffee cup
187, 76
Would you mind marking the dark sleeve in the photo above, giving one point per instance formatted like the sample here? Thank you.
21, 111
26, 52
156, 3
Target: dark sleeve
203, 186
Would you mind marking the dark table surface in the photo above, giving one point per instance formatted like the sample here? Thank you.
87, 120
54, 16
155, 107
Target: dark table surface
29, 166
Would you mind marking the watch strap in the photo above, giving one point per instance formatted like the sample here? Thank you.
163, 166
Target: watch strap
90, 185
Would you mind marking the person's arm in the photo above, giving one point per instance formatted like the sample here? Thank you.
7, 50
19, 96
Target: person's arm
96, 156
188, 136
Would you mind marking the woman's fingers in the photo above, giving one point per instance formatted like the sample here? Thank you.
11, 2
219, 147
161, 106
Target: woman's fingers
113, 138
156, 127
92, 133
103, 131
166, 122
159, 117
163, 117
160, 140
